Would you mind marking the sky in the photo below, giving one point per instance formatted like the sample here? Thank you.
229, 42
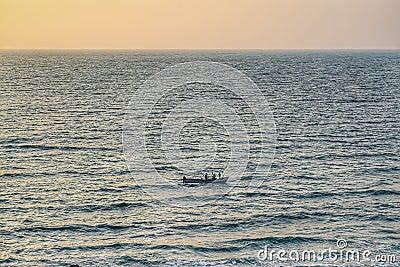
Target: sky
199, 24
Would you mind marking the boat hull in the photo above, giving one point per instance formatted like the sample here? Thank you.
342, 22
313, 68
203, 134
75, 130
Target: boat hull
204, 181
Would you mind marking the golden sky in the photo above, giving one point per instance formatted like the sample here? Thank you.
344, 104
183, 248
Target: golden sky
199, 24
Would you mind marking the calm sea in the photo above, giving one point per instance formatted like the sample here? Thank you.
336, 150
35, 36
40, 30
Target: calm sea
68, 197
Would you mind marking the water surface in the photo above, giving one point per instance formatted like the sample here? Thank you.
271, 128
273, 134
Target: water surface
67, 195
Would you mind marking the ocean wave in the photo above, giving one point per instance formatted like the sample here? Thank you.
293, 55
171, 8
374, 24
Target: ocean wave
62, 148
278, 240
380, 192
194, 262
78, 228
113, 206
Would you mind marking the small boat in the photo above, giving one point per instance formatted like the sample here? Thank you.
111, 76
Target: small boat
205, 181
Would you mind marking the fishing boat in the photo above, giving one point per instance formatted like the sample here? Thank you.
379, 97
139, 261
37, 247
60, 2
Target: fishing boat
204, 181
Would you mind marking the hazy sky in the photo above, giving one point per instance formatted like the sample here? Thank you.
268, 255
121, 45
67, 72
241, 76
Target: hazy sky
200, 24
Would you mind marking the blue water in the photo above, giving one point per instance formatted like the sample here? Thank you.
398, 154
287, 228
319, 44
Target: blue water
67, 195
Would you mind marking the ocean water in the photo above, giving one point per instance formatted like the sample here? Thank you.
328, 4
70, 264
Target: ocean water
69, 196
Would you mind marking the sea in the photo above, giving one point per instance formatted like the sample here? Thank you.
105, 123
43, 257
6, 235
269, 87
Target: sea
320, 154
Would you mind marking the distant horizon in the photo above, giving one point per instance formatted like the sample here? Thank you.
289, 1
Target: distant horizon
200, 49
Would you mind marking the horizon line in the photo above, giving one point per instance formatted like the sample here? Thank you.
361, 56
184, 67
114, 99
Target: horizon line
198, 49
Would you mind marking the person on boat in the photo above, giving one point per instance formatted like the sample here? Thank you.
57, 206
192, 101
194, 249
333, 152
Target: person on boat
184, 178
213, 176
206, 176
219, 175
